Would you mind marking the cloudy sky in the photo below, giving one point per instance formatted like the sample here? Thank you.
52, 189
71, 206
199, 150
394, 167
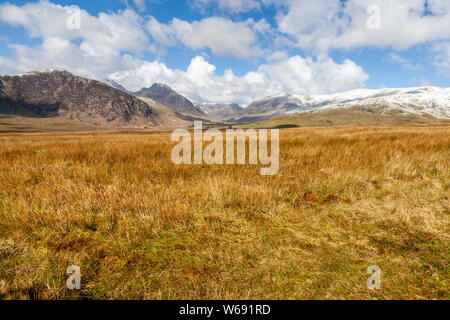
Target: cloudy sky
233, 50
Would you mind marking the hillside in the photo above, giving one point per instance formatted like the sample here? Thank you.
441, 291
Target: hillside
164, 95
62, 95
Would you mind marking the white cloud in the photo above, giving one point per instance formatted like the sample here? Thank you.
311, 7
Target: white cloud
101, 45
326, 24
394, 57
442, 57
313, 76
43, 19
201, 83
224, 37
56, 53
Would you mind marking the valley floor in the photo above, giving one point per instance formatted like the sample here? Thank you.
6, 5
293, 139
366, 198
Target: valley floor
140, 227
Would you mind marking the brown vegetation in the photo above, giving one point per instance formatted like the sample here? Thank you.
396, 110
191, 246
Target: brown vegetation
142, 228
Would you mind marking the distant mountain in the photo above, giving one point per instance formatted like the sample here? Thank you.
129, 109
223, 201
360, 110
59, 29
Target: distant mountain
428, 102
166, 96
64, 97
221, 112
115, 85
272, 107
60, 94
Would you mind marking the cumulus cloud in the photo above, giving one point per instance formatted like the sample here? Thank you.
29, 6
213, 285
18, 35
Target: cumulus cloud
312, 76
200, 82
43, 19
224, 37
329, 24
98, 46
85, 59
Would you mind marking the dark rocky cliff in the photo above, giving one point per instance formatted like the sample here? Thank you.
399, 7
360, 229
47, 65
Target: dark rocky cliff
62, 94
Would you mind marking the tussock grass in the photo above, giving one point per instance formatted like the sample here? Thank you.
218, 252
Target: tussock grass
142, 228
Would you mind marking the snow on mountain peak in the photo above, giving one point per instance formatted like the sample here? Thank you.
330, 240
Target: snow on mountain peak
427, 100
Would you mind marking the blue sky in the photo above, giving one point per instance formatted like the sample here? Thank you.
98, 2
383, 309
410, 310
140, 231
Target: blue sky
233, 51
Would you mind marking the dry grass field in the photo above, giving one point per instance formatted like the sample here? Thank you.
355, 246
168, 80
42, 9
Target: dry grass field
142, 228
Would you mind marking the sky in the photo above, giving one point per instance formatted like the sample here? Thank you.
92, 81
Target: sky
233, 51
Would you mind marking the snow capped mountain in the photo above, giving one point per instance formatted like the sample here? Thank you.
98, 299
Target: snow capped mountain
220, 111
34, 72
421, 101
114, 84
201, 107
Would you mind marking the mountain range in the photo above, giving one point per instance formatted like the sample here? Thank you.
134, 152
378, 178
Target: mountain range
53, 94
221, 112
424, 101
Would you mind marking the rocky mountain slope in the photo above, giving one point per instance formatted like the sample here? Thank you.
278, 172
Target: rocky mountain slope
221, 111
115, 85
428, 102
60, 94
164, 95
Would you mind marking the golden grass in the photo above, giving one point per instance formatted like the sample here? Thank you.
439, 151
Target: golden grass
142, 228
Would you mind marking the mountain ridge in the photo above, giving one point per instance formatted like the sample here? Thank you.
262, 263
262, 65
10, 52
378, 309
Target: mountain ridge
221, 111
115, 85
165, 95
421, 101
55, 93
